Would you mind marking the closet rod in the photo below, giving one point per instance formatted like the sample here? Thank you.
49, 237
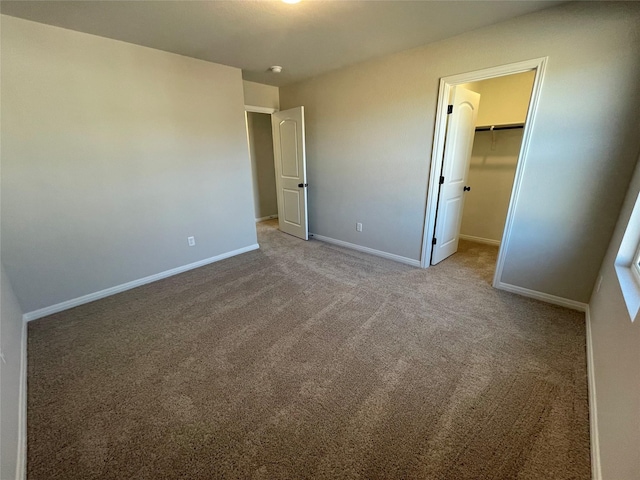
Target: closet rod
504, 127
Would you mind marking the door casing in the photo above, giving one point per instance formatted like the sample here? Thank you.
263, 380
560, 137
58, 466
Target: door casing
446, 83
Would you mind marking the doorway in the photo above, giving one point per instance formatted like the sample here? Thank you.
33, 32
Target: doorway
492, 165
260, 140
496, 164
276, 141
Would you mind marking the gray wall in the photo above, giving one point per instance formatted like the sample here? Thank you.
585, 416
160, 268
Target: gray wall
616, 356
260, 95
112, 154
11, 339
370, 130
265, 196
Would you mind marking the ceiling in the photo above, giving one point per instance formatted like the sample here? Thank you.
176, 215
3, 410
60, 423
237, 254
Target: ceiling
307, 39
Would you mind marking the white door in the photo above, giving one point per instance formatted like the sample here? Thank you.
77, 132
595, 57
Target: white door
291, 171
461, 129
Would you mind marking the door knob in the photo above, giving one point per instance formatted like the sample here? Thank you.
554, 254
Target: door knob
466, 189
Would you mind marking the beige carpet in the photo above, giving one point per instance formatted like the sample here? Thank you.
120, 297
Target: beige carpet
305, 360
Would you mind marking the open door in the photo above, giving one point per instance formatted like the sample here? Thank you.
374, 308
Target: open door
461, 128
291, 171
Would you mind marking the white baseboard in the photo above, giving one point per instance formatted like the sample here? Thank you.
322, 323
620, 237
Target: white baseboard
268, 217
21, 464
59, 307
486, 241
596, 469
371, 251
545, 297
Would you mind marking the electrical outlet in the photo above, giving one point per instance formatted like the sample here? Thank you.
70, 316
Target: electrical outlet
358, 227
192, 241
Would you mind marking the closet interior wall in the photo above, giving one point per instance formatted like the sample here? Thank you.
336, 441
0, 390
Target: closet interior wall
504, 101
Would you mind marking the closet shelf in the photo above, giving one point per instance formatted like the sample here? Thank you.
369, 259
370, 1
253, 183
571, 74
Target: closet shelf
506, 126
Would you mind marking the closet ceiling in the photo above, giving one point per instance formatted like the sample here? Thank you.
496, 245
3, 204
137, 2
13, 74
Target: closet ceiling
307, 39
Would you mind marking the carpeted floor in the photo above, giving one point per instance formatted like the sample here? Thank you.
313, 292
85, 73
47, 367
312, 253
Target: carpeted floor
305, 360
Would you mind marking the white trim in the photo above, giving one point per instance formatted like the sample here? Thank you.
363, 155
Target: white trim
625, 262
538, 65
436, 168
59, 307
256, 109
371, 251
268, 217
635, 265
486, 241
520, 167
21, 464
545, 297
596, 469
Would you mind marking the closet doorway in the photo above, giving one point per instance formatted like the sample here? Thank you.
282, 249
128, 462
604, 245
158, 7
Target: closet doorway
496, 146
491, 170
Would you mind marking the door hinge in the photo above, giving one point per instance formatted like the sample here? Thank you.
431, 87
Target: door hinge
301, 185
441, 180
434, 241
449, 109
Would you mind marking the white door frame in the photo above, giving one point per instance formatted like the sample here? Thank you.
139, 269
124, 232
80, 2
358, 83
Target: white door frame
538, 65
256, 109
